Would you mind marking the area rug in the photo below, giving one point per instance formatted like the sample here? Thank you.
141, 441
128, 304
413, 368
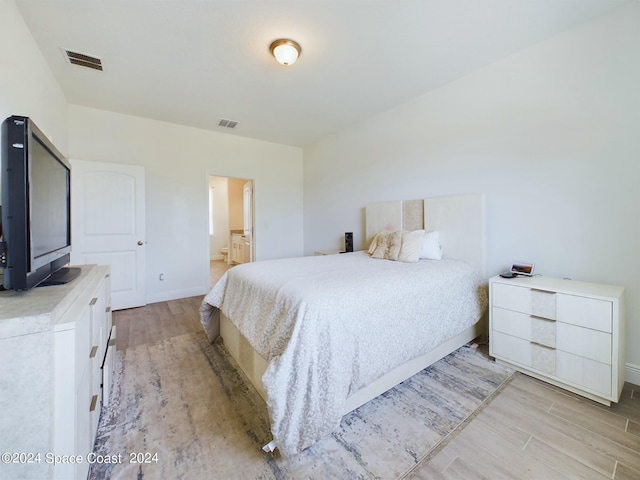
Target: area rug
180, 409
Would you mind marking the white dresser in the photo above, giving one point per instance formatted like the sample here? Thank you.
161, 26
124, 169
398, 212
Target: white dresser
568, 333
55, 356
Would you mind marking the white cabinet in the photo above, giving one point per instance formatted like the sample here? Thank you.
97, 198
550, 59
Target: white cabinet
568, 333
236, 248
240, 248
53, 342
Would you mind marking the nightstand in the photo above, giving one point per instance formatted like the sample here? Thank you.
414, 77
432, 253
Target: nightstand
567, 333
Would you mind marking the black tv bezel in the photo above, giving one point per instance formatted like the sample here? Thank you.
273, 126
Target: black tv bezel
20, 273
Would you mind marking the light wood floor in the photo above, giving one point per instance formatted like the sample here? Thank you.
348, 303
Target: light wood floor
538, 431
216, 270
529, 430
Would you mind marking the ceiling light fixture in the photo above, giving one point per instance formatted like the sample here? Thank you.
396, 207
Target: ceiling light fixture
286, 51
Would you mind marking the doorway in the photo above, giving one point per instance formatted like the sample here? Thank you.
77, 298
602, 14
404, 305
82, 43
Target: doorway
231, 232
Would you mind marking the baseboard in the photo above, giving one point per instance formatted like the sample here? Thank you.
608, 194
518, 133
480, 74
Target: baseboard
632, 373
175, 295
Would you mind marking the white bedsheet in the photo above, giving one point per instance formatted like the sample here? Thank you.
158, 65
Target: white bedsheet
329, 325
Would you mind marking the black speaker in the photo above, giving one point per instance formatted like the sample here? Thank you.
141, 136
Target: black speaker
348, 241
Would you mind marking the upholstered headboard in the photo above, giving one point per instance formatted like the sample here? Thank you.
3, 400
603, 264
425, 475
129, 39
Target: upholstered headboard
459, 219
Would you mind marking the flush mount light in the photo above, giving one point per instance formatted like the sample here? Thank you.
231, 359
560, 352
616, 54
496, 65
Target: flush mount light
286, 51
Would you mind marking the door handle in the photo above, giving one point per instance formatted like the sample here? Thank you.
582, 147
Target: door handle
140, 242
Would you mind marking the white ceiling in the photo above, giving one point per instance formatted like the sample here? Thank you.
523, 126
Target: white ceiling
193, 62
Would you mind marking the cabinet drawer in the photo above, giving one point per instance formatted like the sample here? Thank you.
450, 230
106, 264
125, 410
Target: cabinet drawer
543, 358
510, 348
107, 370
98, 323
543, 331
83, 439
96, 377
585, 312
82, 345
531, 301
524, 352
528, 327
584, 342
584, 372
510, 322
108, 321
94, 415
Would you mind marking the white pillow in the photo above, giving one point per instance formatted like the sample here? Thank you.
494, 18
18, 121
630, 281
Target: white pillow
412, 243
431, 248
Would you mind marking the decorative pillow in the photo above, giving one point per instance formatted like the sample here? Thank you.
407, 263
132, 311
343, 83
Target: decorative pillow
412, 243
386, 244
374, 244
431, 248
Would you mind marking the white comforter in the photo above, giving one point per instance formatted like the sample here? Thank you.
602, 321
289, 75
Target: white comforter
329, 325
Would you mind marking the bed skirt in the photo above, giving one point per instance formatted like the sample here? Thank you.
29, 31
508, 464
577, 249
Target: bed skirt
254, 366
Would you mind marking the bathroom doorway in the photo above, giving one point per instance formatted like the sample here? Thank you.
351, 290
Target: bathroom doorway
231, 233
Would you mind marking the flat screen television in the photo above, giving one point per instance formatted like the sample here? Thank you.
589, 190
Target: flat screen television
36, 208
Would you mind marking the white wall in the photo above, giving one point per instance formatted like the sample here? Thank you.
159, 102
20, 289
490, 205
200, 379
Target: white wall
550, 135
178, 161
27, 86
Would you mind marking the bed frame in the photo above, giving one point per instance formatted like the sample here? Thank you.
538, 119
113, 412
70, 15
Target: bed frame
460, 221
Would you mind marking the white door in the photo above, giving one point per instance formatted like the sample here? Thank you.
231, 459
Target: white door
108, 225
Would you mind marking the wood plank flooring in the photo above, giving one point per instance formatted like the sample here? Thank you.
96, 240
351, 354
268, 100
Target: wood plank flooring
538, 431
155, 322
530, 430
216, 270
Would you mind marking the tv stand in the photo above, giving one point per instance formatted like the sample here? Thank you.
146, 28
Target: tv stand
57, 348
60, 277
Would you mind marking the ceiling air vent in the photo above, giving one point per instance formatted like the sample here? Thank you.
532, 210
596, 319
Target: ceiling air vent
83, 60
227, 123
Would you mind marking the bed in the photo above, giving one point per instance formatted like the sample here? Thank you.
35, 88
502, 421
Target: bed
320, 336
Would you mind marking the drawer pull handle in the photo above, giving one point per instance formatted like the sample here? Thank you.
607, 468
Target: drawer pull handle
94, 351
94, 402
93, 301
539, 290
542, 345
538, 317
108, 309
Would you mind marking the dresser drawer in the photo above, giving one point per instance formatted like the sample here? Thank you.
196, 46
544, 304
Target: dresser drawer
511, 348
107, 368
532, 301
584, 372
584, 342
98, 309
543, 358
83, 438
510, 322
524, 352
543, 331
83, 345
527, 327
585, 312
